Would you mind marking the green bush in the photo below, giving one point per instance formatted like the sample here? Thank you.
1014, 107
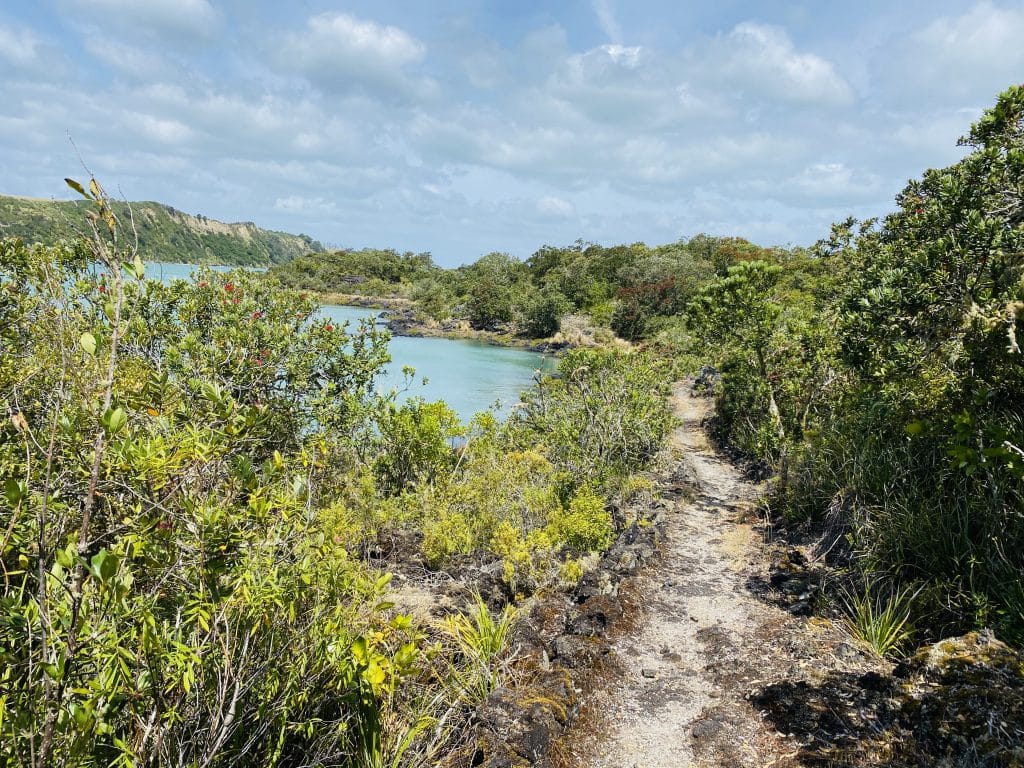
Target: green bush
586, 525
416, 442
542, 314
172, 592
489, 304
602, 416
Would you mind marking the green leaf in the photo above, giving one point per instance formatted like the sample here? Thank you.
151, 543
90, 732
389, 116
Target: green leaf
375, 675
140, 268
15, 491
65, 557
211, 392
88, 342
110, 566
104, 565
406, 656
114, 419
360, 652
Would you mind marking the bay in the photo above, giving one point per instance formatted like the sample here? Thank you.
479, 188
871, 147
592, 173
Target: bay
469, 376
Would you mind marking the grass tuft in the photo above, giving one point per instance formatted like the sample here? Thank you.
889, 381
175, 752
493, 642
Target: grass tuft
879, 617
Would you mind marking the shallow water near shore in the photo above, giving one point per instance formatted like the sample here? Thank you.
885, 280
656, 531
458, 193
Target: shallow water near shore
468, 375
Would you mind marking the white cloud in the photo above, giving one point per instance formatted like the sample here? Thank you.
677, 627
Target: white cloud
606, 19
161, 130
628, 56
831, 182
763, 56
304, 205
127, 59
978, 35
18, 46
953, 58
437, 135
342, 53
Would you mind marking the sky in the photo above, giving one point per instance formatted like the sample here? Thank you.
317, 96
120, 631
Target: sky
462, 127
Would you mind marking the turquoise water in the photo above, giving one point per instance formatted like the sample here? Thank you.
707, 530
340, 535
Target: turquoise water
169, 270
469, 376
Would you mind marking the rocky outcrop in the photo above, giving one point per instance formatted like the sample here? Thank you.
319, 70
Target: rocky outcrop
964, 699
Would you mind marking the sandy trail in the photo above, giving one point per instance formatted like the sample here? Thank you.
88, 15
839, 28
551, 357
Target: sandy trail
696, 608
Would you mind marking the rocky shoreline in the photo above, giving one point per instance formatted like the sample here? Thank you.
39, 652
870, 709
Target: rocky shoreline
400, 317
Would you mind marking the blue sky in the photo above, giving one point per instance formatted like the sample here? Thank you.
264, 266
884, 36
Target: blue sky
475, 125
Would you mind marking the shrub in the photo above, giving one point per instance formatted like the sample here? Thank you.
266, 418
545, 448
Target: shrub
542, 314
586, 525
489, 304
416, 442
603, 416
171, 593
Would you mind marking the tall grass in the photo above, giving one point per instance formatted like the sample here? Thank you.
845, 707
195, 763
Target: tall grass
909, 511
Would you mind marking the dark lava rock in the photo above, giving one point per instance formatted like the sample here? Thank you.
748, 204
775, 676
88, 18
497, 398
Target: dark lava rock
513, 731
575, 652
595, 616
706, 729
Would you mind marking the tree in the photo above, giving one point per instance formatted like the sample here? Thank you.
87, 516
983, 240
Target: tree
489, 303
930, 317
739, 316
542, 314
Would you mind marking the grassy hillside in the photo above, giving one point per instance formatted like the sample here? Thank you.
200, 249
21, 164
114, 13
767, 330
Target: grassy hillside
165, 234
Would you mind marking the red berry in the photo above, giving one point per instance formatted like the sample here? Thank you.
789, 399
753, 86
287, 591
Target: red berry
328, 327
229, 287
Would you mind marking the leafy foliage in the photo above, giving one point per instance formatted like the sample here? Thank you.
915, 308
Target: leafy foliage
603, 415
188, 471
884, 377
166, 594
363, 271
635, 288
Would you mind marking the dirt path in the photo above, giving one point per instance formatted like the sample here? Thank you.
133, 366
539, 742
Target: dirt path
705, 640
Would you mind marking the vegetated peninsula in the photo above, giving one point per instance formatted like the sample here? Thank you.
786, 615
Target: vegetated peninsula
581, 294
165, 233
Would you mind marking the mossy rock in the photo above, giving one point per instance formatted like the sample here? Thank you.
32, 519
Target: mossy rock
965, 696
